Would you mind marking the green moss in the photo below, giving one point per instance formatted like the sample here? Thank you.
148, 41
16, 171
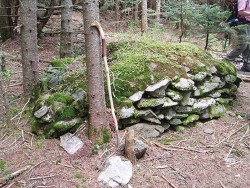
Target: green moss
61, 62
225, 68
60, 97
35, 127
190, 119
68, 113
167, 141
105, 135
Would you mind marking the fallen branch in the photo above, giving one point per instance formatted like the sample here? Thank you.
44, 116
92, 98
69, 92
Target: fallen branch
177, 148
6, 179
163, 177
43, 177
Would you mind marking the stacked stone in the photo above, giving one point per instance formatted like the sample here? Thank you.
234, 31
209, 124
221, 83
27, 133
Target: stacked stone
180, 102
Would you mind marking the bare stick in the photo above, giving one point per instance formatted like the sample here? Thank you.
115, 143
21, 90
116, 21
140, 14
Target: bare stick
43, 177
5, 179
20, 113
104, 54
37, 165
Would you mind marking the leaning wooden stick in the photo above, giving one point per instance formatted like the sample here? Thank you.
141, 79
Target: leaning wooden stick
104, 54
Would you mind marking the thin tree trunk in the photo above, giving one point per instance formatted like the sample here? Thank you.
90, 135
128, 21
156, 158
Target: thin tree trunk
97, 108
3, 94
144, 18
117, 14
136, 11
158, 11
66, 29
29, 51
5, 21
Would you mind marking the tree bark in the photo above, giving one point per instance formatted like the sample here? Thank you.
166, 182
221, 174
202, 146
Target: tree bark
66, 29
29, 51
97, 108
158, 11
144, 18
6, 24
136, 10
117, 14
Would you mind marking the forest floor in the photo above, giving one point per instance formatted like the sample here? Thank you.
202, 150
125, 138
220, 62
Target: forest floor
211, 155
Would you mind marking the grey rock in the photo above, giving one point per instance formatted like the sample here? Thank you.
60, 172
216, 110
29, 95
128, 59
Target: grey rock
80, 94
217, 79
213, 70
187, 101
158, 89
145, 103
166, 126
230, 79
206, 88
160, 116
70, 143
184, 109
140, 148
58, 107
215, 94
175, 122
169, 113
126, 112
184, 84
205, 114
136, 96
187, 69
203, 103
174, 95
180, 129
168, 102
130, 121
41, 112
54, 81
217, 110
180, 116
48, 118
148, 130
116, 172
207, 130
199, 76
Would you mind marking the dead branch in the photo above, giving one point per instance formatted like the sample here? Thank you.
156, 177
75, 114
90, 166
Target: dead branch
43, 177
37, 165
6, 179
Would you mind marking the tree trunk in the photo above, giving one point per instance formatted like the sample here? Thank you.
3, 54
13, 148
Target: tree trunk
158, 11
144, 18
136, 10
97, 108
6, 24
29, 51
117, 14
66, 29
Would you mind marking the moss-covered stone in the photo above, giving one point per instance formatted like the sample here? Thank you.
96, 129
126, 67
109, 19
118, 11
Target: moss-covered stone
225, 68
60, 97
190, 119
61, 127
217, 111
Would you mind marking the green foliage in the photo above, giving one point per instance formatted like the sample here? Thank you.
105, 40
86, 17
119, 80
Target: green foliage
225, 68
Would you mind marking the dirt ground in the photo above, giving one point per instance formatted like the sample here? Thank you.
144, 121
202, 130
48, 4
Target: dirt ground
194, 159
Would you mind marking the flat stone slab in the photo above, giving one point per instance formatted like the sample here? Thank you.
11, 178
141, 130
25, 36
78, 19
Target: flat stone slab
70, 143
148, 130
41, 112
117, 172
136, 96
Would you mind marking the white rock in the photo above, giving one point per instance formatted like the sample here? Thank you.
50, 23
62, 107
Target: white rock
127, 112
116, 172
136, 96
70, 143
